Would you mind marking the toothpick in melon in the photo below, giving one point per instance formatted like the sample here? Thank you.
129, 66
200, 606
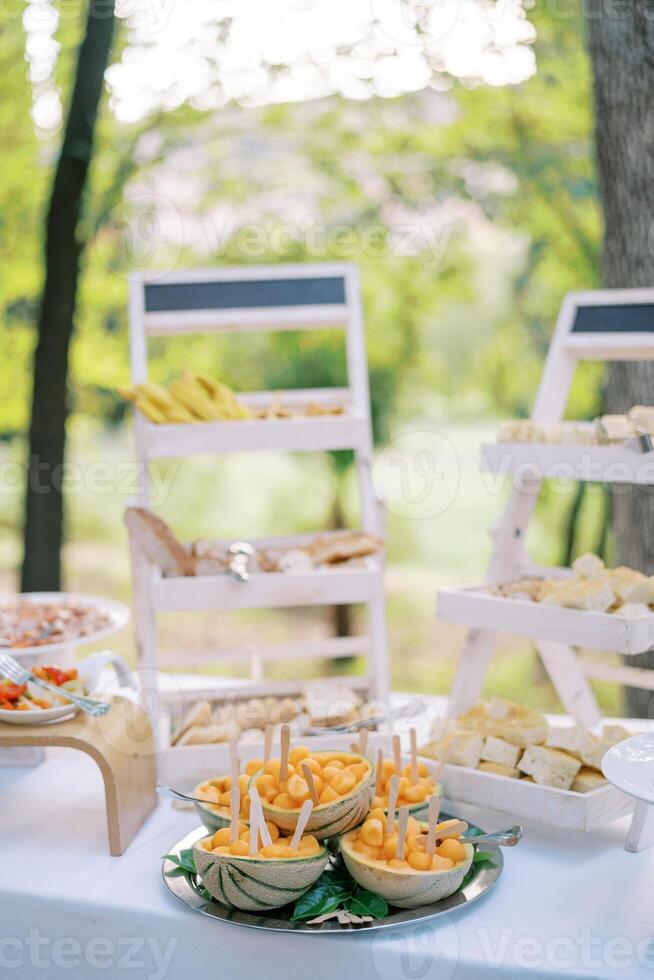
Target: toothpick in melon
302, 821
267, 742
397, 754
255, 804
363, 741
283, 765
393, 789
434, 807
379, 773
415, 774
401, 832
233, 761
308, 776
254, 827
234, 812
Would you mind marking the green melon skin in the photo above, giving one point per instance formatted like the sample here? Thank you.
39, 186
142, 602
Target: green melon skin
329, 819
405, 889
212, 821
257, 884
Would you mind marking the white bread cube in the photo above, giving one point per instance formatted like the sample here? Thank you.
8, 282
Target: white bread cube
588, 566
594, 751
591, 595
549, 767
460, 749
642, 416
615, 428
633, 610
572, 739
615, 733
501, 752
586, 780
499, 770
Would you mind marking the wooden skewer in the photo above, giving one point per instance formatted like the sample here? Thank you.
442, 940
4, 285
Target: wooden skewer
308, 775
354, 747
393, 788
283, 765
302, 821
234, 812
255, 803
379, 773
415, 772
434, 807
401, 831
267, 742
254, 828
397, 754
363, 741
450, 828
233, 761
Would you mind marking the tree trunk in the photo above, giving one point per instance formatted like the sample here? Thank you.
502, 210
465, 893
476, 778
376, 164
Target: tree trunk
63, 251
621, 40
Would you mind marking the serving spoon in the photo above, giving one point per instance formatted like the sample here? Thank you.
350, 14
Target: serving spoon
174, 794
508, 837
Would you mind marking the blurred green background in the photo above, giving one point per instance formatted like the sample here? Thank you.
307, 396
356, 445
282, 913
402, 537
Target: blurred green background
470, 210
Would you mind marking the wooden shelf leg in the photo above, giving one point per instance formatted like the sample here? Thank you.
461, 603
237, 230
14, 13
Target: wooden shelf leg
471, 670
571, 685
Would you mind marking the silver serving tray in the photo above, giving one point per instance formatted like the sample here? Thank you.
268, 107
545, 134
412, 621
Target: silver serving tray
279, 919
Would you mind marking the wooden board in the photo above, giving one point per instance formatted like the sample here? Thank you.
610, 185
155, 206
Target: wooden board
122, 745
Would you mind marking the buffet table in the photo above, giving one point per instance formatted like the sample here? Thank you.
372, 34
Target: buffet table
567, 903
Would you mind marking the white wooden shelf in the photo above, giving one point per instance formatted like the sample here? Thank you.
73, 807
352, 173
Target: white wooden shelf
310, 434
321, 587
537, 461
525, 800
477, 608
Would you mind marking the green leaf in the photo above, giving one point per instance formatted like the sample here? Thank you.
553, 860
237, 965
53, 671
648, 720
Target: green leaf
328, 893
483, 858
368, 903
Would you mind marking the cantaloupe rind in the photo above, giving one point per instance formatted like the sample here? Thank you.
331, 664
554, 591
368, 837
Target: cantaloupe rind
255, 884
404, 888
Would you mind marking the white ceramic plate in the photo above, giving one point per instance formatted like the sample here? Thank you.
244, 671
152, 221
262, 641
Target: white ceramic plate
629, 765
117, 613
88, 672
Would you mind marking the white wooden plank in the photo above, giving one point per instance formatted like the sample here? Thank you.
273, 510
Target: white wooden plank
557, 807
333, 648
600, 631
169, 323
266, 590
600, 464
311, 434
245, 273
244, 688
641, 677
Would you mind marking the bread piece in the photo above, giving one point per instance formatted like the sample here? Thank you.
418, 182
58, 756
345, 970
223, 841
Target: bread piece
499, 770
594, 750
343, 547
615, 733
589, 566
515, 723
628, 584
615, 428
459, 749
642, 417
549, 767
572, 739
203, 735
525, 588
198, 714
499, 751
590, 595
633, 610
587, 779
157, 542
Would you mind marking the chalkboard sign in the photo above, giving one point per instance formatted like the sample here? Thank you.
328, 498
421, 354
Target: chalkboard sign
627, 318
244, 294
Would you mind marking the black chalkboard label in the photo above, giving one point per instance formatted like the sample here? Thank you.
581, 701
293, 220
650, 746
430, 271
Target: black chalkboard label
243, 294
627, 318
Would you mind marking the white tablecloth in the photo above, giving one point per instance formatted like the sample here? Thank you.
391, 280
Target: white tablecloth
567, 903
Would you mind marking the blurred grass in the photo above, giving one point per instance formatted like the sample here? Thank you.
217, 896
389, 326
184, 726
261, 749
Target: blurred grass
261, 494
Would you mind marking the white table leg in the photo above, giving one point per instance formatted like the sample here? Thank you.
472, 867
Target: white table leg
641, 829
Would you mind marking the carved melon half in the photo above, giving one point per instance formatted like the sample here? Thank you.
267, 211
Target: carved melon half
213, 819
406, 889
330, 819
256, 884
